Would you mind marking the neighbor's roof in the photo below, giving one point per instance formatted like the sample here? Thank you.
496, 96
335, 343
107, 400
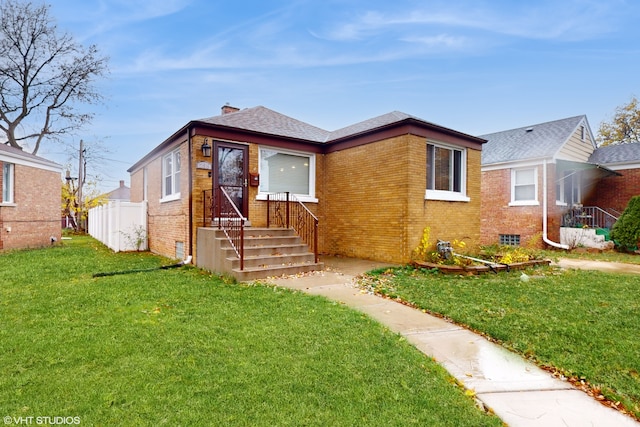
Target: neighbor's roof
15, 155
121, 193
618, 153
529, 142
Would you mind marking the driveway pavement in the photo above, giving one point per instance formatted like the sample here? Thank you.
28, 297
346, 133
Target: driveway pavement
518, 392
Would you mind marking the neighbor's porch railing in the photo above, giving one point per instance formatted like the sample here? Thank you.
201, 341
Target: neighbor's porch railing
219, 209
588, 216
285, 210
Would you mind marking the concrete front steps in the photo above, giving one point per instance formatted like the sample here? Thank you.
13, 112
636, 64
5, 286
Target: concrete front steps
268, 252
584, 237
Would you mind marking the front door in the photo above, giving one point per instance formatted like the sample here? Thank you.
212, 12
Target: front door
230, 171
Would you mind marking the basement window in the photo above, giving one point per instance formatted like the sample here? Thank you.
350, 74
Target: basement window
510, 239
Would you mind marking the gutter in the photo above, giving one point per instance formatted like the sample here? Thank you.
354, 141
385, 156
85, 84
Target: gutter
545, 238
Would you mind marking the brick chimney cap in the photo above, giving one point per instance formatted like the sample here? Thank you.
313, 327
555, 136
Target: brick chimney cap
227, 109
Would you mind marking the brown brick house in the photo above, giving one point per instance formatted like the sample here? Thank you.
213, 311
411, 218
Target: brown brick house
374, 186
30, 204
536, 179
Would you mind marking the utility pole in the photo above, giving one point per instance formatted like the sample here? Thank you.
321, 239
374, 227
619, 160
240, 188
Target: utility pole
80, 181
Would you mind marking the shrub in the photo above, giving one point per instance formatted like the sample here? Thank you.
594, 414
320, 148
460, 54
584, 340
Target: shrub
626, 231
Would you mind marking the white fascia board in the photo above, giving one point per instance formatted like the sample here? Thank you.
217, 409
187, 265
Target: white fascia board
514, 165
31, 162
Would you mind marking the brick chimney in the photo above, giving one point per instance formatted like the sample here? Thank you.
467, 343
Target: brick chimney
226, 109
122, 183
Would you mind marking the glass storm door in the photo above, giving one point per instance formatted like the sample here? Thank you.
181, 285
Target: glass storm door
230, 171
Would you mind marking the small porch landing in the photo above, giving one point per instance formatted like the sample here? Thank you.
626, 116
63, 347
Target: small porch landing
268, 252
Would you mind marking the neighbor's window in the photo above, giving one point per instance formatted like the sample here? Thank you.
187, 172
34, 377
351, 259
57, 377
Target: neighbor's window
524, 187
283, 170
171, 176
446, 173
7, 183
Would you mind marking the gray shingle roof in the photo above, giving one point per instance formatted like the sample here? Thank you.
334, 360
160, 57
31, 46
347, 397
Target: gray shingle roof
528, 142
263, 120
373, 123
620, 153
268, 122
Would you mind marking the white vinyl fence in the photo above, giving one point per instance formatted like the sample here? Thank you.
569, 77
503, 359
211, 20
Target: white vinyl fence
122, 226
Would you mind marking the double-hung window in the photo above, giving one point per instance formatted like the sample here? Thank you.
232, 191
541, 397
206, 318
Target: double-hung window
446, 173
524, 187
171, 176
7, 182
286, 170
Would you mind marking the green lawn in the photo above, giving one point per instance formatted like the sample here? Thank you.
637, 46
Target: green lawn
183, 347
585, 324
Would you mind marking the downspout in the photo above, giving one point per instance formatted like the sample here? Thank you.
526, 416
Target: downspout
545, 238
190, 220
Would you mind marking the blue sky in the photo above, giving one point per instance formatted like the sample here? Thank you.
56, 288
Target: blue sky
472, 65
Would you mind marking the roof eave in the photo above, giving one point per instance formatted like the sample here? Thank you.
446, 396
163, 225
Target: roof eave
410, 121
151, 154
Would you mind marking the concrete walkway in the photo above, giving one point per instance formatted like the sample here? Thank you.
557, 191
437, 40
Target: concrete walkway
519, 392
610, 267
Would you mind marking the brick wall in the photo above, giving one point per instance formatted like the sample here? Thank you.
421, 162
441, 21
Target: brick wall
614, 191
168, 222
454, 220
375, 201
34, 217
500, 218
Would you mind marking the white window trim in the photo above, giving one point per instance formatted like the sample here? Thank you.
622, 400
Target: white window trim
447, 196
450, 196
513, 188
306, 198
176, 194
11, 199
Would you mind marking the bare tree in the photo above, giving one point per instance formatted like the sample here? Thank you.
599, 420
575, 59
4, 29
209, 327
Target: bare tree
45, 76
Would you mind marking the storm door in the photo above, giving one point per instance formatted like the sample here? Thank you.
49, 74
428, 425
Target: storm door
230, 171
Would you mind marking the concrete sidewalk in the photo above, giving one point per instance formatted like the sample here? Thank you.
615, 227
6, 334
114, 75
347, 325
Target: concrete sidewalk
519, 392
609, 267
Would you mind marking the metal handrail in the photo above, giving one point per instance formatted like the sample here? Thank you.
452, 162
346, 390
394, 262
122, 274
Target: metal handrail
588, 216
285, 210
207, 207
231, 222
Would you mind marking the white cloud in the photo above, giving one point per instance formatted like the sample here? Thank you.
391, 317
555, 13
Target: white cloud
566, 20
